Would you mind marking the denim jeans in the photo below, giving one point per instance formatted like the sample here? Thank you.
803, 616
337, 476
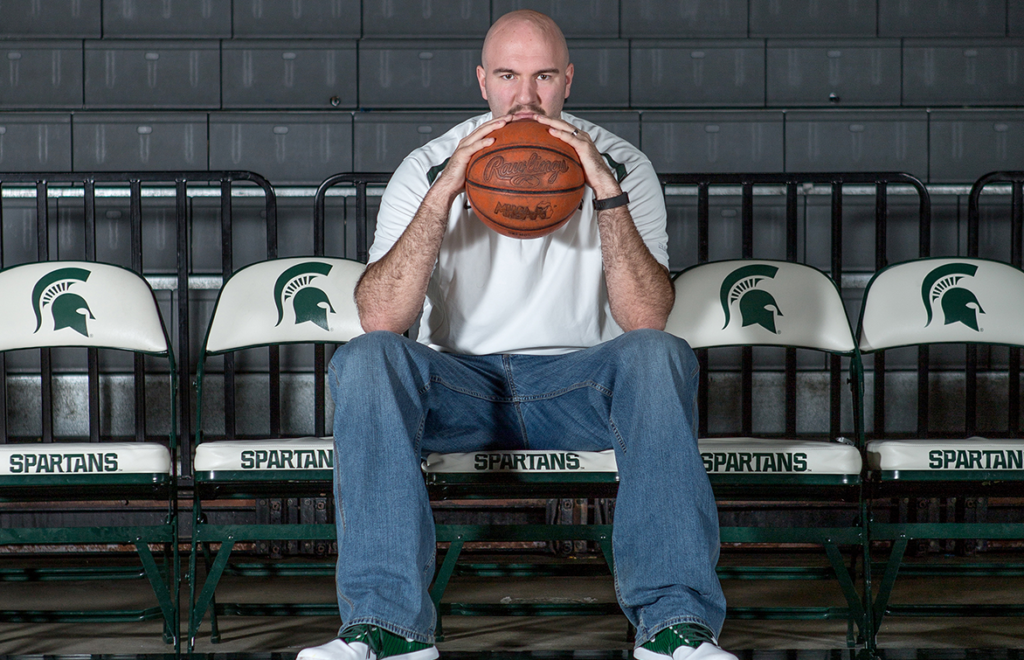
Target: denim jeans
396, 401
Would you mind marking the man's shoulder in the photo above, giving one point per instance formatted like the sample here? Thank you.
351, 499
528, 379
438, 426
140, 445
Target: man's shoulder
605, 140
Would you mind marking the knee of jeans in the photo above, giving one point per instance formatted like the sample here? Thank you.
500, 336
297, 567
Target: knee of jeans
361, 355
644, 349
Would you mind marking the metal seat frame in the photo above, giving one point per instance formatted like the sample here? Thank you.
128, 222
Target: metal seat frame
882, 488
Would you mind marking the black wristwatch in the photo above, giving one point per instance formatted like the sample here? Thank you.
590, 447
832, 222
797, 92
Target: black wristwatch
611, 202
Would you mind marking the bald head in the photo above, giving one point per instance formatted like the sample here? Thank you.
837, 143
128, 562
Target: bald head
525, 65
516, 24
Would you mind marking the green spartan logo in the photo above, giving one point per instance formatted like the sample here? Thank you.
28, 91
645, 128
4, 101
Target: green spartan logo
959, 305
757, 306
69, 310
310, 303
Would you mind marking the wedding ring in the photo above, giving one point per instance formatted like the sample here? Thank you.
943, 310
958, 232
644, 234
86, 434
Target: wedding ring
576, 132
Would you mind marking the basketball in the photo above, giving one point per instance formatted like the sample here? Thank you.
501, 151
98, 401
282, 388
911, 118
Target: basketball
526, 184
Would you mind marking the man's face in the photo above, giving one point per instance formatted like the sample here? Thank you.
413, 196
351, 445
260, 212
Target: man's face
524, 70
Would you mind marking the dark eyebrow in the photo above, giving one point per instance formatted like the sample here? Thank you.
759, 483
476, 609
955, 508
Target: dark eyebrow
535, 73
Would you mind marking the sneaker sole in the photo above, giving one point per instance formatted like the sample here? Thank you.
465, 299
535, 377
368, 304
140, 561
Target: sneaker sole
640, 653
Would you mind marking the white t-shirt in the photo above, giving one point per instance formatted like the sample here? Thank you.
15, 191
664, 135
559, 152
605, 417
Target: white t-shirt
541, 296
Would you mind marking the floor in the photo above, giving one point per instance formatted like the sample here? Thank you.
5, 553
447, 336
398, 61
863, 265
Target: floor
555, 637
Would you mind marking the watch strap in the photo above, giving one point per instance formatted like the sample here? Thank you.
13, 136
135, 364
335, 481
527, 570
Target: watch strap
612, 202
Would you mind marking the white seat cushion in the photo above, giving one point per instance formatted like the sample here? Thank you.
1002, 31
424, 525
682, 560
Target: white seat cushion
770, 456
83, 458
946, 455
521, 461
720, 456
282, 455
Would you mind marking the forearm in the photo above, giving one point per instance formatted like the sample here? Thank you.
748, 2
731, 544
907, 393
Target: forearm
390, 293
640, 292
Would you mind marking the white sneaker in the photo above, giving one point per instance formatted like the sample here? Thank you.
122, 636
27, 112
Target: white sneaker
676, 643
365, 642
336, 649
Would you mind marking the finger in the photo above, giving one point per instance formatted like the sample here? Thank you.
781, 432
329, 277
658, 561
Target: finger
576, 138
554, 122
491, 125
476, 145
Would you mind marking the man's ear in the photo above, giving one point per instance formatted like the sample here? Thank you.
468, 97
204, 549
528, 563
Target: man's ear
568, 79
481, 77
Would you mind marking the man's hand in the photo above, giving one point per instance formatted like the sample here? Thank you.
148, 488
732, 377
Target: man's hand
640, 292
595, 170
452, 180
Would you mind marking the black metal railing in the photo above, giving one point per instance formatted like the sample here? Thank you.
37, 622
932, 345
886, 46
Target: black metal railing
359, 181
90, 185
794, 186
1016, 238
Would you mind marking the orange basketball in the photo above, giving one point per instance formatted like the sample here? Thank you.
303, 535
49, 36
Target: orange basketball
526, 184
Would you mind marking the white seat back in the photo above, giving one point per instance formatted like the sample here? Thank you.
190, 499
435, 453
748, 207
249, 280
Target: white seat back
281, 301
78, 303
759, 303
929, 301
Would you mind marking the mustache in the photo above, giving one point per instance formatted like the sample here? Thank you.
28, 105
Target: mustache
529, 107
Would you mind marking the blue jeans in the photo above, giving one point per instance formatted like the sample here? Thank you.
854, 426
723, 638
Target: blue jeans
396, 401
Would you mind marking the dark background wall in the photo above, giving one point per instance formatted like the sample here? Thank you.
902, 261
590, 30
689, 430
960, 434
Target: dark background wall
297, 90
300, 89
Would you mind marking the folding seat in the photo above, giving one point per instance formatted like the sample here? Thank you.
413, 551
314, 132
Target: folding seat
301, 300
114, 478
731, 303
760, 307
979, 304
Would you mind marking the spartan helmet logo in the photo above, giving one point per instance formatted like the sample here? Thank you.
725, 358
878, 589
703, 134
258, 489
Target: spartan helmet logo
958, 304
69, 310
309, 302
756, 305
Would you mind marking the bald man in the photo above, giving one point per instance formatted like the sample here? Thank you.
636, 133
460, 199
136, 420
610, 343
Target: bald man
551, 343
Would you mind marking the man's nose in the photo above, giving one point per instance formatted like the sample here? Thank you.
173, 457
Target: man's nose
527, 91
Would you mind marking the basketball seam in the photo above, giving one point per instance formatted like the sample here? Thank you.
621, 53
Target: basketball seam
514, 191
510, 147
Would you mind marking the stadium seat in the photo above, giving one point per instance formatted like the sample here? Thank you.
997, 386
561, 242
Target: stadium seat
921, 303
760, 303
270, 303
57, 304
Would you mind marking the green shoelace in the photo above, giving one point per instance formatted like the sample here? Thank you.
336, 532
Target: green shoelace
681, 634
382, 642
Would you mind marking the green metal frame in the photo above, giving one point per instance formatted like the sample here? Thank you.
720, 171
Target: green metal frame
228, 535
900, 535
727, 487
165, 580
459, 535
140, 536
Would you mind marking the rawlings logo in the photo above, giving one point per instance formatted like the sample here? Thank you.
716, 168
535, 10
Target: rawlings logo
525, 173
